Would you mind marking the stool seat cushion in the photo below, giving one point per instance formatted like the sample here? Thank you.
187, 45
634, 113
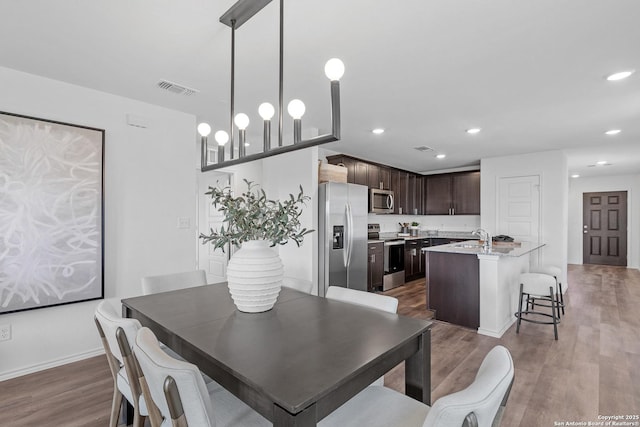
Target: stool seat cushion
551, 270
537, 283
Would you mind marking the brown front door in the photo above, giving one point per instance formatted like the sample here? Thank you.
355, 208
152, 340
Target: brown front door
605, 228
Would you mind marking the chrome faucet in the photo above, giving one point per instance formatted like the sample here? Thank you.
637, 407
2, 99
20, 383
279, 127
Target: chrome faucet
485, 236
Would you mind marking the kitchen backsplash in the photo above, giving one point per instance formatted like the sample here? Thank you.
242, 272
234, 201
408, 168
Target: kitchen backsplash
390, 223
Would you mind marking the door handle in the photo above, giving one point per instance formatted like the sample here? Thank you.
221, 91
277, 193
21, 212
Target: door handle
349, 233
585, 232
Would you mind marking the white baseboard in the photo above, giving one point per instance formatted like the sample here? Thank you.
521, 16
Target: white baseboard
499, 333
50, 364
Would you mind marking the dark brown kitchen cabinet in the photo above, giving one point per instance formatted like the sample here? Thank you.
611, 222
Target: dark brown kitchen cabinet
453, 292
361, 173
401, 194
375, 266
385, 177
414, 194
452, 194
466, 193
378, 177
413, 260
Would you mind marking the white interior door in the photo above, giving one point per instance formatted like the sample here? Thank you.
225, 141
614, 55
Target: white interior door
214, 262
519, 209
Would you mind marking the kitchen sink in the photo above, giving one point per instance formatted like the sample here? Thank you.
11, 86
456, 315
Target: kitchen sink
468, 245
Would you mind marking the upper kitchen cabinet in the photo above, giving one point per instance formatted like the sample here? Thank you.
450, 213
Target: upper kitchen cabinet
453, 194
399, 182
414, 194
378, 176
363, 173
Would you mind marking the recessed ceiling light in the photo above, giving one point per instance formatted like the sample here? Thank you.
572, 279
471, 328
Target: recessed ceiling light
601, 162
441, 156
473, 130
619, 75
377, 131
613, 132
575, 175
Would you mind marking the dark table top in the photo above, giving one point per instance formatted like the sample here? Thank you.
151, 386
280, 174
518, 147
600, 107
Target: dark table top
295, 354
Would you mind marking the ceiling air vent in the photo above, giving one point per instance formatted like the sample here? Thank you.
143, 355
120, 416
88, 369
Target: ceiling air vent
176, 88
423, 148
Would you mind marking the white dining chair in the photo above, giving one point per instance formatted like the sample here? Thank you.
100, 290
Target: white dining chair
178, 392
172, 282
113, 328
479, 405
367, 299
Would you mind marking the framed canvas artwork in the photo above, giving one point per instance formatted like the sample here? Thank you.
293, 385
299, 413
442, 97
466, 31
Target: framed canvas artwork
51, 213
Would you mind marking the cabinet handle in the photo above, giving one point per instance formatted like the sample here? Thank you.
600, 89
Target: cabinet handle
373, 258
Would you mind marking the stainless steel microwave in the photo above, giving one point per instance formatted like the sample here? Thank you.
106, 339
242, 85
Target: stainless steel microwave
380, 201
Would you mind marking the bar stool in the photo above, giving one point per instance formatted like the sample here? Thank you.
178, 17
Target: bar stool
556, 272
538, 285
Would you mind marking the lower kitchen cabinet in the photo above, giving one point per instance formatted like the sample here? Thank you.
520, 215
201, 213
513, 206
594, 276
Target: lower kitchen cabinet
453, 288
413, 260
375, 266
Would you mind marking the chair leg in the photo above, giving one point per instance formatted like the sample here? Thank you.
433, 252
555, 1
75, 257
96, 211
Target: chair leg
554, 307
138, 420
116, 404
561, 297
520, 308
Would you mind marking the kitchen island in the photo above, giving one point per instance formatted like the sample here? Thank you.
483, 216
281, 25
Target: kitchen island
475, 287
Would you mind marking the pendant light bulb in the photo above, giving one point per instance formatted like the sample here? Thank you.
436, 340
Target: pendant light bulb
334, 69
241, 120
266, 111
221, 137
204, 129
296, 109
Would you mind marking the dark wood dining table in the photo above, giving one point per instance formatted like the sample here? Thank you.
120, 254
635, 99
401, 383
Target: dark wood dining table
296, 363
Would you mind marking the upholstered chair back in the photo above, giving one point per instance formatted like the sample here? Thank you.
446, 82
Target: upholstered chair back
172, 282
157, 366
368, 299
481, 400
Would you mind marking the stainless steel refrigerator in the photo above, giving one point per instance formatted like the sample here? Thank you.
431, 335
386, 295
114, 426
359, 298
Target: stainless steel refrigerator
342, 231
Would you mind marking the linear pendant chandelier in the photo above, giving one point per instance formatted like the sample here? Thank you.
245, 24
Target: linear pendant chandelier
237, 15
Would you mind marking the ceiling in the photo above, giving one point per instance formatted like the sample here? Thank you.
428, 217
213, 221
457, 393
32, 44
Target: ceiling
531, 74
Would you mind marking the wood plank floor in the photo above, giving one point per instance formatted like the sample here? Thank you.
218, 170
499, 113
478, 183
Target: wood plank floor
594, 368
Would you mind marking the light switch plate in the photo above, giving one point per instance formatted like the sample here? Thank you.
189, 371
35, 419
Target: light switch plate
5, 332
184, 222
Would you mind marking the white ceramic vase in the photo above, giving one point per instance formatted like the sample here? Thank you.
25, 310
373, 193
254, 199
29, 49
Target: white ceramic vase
254, 276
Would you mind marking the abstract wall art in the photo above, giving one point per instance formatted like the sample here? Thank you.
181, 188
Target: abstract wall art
51, 213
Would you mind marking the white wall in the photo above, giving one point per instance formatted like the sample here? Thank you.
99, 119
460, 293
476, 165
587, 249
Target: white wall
149, 183
629, 183
551, 167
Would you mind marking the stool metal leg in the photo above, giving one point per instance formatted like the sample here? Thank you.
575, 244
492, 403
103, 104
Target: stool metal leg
554, 307
520, 308
561, 297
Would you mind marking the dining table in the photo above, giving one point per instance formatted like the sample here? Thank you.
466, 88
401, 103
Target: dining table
295, 363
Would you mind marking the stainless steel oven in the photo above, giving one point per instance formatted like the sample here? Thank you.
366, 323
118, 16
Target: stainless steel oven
380, 201
393, 264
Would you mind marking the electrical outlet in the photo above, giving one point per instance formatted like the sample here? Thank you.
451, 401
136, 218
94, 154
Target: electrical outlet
5, 332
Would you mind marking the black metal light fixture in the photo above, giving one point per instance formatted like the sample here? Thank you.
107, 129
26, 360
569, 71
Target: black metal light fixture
237, 15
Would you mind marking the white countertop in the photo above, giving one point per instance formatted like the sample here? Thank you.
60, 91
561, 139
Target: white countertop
466, 235
472, 247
